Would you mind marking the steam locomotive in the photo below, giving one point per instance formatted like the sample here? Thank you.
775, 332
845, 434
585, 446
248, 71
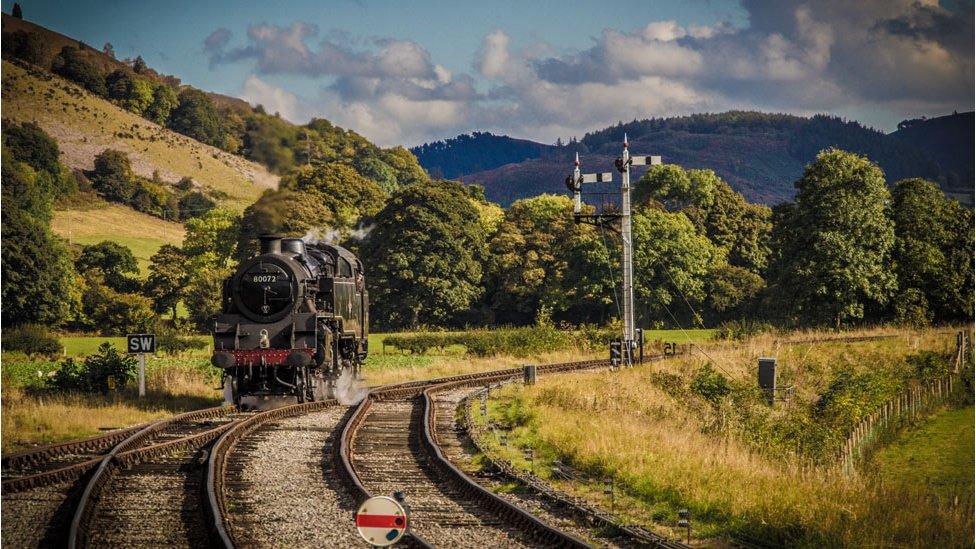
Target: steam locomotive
295, 318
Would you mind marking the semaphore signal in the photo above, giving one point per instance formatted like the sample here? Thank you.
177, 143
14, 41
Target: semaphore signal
602, 217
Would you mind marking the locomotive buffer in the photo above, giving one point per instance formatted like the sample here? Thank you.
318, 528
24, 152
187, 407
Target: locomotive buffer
603, 215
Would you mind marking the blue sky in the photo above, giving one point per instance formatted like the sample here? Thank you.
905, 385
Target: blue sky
408, 72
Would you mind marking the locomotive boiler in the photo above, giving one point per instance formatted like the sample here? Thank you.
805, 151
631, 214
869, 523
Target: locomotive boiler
295, 318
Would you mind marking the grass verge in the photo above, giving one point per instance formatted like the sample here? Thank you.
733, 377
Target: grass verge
669, 448
936, 455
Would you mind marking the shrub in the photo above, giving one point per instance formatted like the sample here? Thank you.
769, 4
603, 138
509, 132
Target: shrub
738, 330
32, 339
710, 385
101, 371
172, 343
929, 365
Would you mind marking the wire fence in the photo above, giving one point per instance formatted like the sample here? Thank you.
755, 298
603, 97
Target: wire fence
913, 403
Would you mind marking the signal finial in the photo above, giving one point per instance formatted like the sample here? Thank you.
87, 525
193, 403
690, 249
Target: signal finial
625, 140
576, 163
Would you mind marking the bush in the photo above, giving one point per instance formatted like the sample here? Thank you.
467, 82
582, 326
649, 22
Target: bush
32, 339
72, 64
104, 370
929, 365
738, 330
172, 344
519, 342
710, 385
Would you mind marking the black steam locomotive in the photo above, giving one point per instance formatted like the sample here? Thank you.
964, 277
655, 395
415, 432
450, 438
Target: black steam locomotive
295, 318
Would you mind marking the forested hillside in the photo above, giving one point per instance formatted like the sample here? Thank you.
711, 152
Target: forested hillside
950, 141
759, 154
476, 152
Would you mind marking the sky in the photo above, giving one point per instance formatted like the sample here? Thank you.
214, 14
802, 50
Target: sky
412, 72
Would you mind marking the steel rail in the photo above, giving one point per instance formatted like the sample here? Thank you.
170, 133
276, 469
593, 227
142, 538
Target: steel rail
214, 502
539, 530
128, 453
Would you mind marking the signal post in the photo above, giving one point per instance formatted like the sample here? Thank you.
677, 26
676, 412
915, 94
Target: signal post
600, 218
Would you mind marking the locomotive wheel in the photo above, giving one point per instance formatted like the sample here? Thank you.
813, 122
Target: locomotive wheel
300, 385
235, 394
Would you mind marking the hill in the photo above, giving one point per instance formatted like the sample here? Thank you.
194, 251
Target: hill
84, 125
759, 154
950, 141
476, 152
141, 233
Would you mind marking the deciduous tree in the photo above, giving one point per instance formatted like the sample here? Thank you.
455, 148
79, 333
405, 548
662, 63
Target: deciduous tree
834, 243
423, 258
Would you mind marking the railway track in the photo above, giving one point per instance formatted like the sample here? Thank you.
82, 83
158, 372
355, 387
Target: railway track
319, 484
144, 492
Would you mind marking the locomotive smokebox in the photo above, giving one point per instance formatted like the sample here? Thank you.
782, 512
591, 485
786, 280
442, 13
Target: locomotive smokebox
293, 246
270, 244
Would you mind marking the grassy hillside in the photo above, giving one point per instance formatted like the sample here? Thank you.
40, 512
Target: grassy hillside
84, 125
141, 233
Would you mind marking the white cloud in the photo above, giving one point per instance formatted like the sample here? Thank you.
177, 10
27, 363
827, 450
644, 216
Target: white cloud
899, 56
274, 99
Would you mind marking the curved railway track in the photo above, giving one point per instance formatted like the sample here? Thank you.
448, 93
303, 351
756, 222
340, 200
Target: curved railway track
142, 492
327, 477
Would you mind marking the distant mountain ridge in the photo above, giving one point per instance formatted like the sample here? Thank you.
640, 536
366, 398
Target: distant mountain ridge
759, 154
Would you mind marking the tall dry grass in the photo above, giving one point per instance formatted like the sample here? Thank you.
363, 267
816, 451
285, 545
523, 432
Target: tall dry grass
31, 416
664, 454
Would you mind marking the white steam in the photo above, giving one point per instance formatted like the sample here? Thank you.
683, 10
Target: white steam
348, 389
328, 235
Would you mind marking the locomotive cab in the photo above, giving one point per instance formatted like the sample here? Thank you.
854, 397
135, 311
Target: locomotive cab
294, 319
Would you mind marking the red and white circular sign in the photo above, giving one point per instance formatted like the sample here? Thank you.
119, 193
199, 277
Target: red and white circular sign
381, 521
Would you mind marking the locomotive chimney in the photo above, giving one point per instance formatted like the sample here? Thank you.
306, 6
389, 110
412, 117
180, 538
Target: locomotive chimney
270, 244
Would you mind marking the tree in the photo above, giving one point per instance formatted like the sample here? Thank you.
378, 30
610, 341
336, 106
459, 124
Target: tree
17, 12
346, 194
933, 253
37, 274
203, 295
717, 211
194, 204
833, 244
674, 188
281, 212
164, 100
535, 251
139, 65
26, 189
113, 176
423, 258
672, 263
109, 50
28, 143
404, 163
211, 238
114, 261
376, 170
196, 116
111, 312
168, 279
73, 65
27, 46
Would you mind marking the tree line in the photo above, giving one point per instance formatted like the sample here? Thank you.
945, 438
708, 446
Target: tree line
848, 250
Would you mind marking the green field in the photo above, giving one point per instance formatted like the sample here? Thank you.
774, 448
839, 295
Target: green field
936, 455
141, 233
